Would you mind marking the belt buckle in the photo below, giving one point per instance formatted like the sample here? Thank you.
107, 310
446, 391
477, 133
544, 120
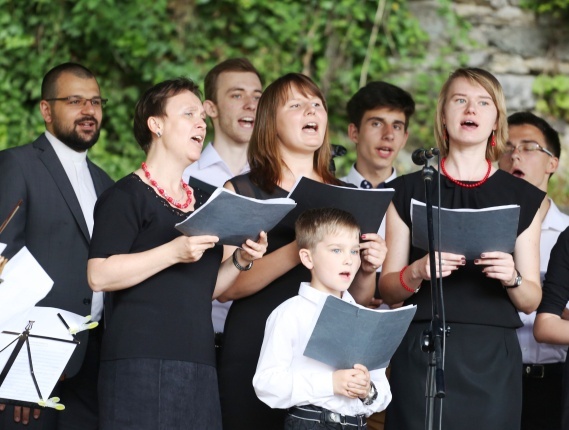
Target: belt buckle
337, 418
536, 371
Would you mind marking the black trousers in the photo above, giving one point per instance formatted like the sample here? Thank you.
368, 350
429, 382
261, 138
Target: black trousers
542, 396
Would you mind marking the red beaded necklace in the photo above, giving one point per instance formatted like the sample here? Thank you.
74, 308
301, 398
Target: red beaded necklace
462, 184
161, 191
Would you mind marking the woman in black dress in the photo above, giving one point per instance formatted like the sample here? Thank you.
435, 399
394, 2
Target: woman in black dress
289, 140
158, 361
551, 326
483, 358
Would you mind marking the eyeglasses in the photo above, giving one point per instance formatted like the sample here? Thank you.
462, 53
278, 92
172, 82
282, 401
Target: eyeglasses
526, 148
78, 101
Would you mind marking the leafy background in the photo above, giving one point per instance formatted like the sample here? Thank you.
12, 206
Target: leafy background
131, 45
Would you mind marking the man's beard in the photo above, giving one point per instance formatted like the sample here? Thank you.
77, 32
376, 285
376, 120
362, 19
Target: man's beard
73, 139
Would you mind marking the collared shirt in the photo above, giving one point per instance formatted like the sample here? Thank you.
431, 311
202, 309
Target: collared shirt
212, 169
554, 223
75, 166
286, 378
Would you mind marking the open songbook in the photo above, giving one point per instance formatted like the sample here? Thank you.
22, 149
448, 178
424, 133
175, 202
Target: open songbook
35, 347
346, 334
235, 218
468, 232
367, 206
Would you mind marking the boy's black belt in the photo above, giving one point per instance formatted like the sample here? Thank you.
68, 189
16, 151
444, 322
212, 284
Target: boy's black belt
316, 413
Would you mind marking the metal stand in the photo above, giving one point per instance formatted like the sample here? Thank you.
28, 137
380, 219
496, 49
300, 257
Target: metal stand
433, 339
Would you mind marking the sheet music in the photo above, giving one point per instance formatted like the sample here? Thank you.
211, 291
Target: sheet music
469, 232
235, 218
367, 206
49, 357
24, 284
347, 334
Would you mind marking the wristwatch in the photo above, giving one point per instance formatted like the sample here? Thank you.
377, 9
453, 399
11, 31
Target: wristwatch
517, 281
371, 396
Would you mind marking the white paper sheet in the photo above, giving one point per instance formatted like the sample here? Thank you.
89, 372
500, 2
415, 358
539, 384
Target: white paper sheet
49, 357
24, 284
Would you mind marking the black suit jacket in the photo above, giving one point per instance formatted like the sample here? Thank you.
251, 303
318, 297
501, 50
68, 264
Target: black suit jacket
51, 224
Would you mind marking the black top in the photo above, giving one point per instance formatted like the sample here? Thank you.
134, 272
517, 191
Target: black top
245, 324
469, 296
556, 285
167, 316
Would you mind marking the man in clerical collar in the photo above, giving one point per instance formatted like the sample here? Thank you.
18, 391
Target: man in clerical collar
58, 186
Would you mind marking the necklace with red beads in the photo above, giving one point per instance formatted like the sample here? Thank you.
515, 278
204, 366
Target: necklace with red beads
161, 191
463, 184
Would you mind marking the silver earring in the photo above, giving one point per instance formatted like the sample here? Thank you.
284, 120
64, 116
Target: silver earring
158, 134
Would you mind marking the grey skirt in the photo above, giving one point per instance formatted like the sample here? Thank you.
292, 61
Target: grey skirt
158, 394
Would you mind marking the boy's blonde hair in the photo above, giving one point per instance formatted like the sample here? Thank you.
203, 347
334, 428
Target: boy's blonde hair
312, 225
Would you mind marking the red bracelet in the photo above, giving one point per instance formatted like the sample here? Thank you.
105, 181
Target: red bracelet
404, 285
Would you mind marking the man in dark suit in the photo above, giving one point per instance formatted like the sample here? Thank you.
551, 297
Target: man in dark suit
58, 186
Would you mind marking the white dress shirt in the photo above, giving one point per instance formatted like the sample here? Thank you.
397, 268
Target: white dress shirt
286, 378
554, 223
210, 168
75, 166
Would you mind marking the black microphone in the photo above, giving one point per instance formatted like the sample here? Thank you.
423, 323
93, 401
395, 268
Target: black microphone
420, 156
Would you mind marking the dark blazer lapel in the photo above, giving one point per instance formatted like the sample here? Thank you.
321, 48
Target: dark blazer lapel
97, 178
49, 158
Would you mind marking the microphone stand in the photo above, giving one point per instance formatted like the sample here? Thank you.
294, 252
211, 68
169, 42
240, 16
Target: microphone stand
433, 339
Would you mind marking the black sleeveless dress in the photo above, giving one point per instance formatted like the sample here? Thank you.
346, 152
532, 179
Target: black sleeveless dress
245, 328
483, 357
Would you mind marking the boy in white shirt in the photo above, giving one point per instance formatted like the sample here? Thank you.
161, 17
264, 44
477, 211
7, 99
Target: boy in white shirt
316, 395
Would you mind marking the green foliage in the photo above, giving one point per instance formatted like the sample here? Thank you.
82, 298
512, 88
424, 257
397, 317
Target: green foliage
555, 7
133, 45
553, 95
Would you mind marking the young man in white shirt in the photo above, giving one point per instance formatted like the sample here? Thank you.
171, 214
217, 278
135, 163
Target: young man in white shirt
532, 153
232, 91
316, 395
379, 116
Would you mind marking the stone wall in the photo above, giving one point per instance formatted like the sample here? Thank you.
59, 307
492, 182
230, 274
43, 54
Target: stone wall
512, 42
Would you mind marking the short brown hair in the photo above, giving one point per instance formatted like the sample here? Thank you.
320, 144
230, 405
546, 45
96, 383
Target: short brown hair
264, 152
489, 82
153, 103
314, 224
232, 65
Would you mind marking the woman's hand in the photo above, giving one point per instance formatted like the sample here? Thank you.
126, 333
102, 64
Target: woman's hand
498, 265
449, 263
372, 252
251, 251
191, 249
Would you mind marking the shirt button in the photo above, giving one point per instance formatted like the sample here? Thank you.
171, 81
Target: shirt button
86, 301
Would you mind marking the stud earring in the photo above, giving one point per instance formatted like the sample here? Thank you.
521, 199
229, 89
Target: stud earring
158, 134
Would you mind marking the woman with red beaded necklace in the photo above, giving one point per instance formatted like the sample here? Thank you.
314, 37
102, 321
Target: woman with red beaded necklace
482, 296
158, 360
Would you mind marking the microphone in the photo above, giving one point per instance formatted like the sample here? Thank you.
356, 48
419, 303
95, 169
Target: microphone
420, 156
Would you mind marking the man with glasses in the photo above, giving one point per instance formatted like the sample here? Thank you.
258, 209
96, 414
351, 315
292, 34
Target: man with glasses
58, 186
532, 153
